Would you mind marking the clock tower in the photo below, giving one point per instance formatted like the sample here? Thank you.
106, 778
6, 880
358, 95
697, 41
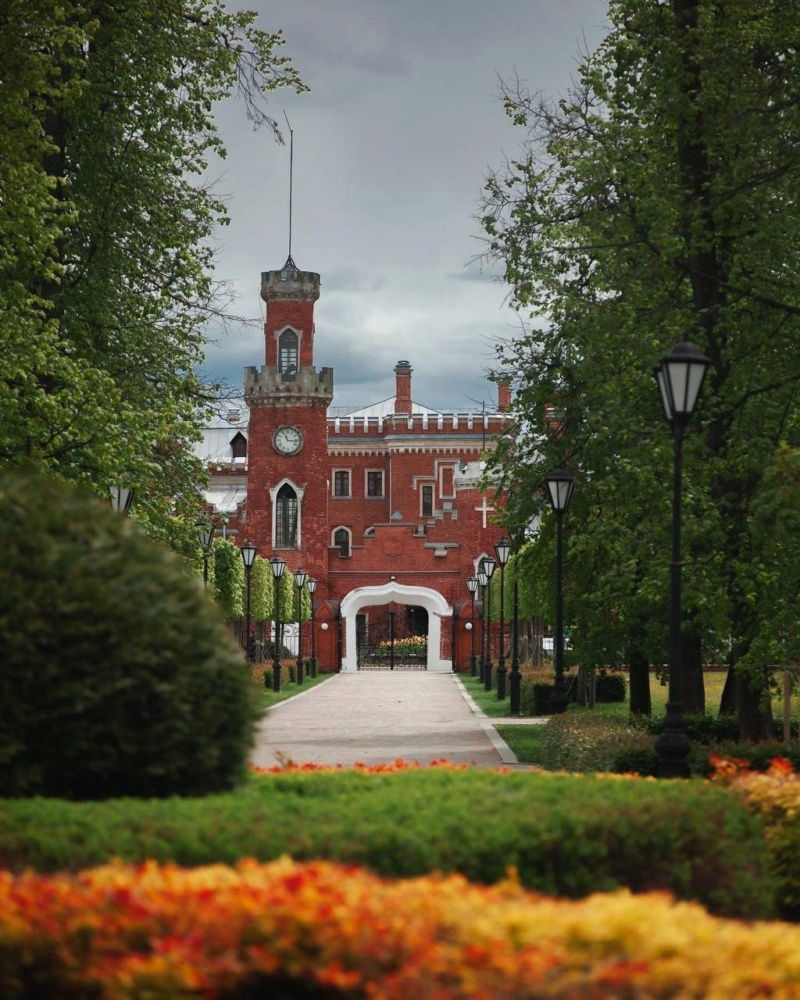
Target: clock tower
287, 491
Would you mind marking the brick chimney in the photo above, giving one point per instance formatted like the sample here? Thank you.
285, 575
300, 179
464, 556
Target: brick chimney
402, 374
503, 395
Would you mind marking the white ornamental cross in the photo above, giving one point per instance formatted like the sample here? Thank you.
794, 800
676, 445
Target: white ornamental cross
484, 509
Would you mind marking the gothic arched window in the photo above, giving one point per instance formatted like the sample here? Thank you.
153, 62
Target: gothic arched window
287, 513
341, 541
287, 354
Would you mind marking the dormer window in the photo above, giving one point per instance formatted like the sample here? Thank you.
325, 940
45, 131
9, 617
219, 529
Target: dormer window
287, 355
238, 446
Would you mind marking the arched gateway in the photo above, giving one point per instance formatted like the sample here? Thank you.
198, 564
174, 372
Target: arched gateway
423, 597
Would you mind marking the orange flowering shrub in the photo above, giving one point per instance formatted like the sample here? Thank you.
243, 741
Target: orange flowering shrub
160, 931
774, 795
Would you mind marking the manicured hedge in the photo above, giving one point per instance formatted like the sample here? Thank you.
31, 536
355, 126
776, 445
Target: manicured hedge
565, 835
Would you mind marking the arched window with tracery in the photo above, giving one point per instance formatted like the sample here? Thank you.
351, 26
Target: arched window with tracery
287, 512
287, 354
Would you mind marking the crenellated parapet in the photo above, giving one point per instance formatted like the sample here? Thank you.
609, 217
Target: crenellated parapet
434, 424
289, 284
266, 385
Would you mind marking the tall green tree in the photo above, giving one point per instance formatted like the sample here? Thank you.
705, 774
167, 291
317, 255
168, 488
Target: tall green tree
106, 262
657, 201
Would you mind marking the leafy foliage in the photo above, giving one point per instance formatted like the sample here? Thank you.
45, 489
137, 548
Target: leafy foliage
656, 202
106, 268
118, 677
229, 578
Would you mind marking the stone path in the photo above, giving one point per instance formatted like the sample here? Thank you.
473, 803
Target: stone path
378, 717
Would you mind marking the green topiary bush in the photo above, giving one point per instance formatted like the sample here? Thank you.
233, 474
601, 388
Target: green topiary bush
610, 687
118, 677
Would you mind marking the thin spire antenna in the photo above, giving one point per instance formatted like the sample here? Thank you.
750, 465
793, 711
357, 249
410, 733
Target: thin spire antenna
291, 176
482, 404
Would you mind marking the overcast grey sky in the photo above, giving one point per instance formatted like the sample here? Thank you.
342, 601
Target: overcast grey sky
391, 146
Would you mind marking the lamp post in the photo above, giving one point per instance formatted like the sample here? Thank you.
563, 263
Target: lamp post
502, 551
300, 577
391, 634
205, 535
488, 569
121, 499
277, 565
680, 377
559, 485
472, 586
515, 677
483, 579
248, 551
311, 584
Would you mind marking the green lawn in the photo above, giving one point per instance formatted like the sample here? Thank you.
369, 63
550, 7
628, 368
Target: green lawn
486, 700
268, 697
584, 739
489, 703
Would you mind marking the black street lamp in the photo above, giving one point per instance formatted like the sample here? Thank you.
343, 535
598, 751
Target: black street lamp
472, 586
277, 565
205, 535
488, 569
248, 551
311, 583
559, 485
300, 577
680, 377
503, 551
483, 579
515, 677
121, 499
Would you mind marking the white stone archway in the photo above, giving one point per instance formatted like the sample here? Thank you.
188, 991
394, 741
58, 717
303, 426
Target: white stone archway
423, 597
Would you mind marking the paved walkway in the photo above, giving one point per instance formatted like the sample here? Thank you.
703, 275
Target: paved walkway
378, 717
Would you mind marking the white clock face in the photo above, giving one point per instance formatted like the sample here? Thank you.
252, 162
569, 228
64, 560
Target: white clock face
288, 440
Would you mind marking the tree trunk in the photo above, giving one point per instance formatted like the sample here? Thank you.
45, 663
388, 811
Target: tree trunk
755, 723
692, 686
727, 703
752, 688
638, 673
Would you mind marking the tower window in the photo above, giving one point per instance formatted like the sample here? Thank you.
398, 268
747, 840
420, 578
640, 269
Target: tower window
426, 500
341, 541
374, 483
287, 355
286, 517
341, 483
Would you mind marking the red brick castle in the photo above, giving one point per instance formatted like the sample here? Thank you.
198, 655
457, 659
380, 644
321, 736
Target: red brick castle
381, 506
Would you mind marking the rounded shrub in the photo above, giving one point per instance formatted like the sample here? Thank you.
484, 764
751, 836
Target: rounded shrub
118, 677
611, 687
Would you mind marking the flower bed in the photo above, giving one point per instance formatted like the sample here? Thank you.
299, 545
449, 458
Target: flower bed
322, 929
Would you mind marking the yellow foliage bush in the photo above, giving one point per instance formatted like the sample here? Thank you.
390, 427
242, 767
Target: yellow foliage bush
774, 796
123, 931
